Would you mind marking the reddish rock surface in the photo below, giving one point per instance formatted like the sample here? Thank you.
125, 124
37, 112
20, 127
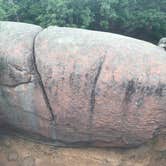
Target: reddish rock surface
80, 87
105, 89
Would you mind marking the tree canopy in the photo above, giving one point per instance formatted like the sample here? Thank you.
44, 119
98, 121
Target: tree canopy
143, 19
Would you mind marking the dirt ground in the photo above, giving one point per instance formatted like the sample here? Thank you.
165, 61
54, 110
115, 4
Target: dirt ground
16, 151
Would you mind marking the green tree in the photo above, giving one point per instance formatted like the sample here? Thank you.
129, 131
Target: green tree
2, 11
144, 19
73, 13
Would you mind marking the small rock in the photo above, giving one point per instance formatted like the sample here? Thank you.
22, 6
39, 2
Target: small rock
12, 156
28, 161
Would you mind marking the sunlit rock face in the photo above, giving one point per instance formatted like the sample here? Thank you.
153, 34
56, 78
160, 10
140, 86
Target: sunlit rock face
79, 87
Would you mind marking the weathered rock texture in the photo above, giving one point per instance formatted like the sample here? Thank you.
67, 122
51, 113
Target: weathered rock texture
80, 87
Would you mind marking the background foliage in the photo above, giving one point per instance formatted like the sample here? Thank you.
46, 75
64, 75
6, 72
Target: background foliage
143, 19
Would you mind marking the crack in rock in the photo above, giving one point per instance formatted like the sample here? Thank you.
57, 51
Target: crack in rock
16, 85
39, 78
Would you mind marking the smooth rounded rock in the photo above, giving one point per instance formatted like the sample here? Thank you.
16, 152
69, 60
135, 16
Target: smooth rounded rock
105, 89
79, 87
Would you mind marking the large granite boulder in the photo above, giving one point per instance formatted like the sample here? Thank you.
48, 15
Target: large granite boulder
80, 87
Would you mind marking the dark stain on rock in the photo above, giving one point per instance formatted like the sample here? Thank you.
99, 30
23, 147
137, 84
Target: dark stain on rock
88, 83
94, 84
136, 92
75, 82
140, 102
160, 90
130, 90
143, 90
148, 90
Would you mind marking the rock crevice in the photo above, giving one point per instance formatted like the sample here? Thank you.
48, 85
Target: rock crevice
38, 75
16, 85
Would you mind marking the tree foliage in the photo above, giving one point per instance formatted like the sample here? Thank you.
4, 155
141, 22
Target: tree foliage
144, 19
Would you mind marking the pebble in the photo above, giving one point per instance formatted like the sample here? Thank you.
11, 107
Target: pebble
12, 156
28, 161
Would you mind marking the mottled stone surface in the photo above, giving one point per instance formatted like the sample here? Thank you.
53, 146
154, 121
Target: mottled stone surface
80, 87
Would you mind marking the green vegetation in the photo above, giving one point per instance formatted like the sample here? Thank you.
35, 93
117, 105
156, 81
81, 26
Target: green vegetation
144, 19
